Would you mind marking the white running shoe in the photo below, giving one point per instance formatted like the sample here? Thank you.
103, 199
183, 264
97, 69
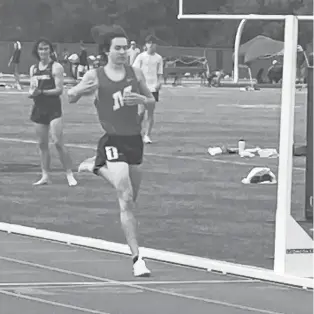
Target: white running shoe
140, 269
87, 165
147, 139
71, 180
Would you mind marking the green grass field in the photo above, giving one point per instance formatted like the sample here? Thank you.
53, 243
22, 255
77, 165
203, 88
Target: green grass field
190, 202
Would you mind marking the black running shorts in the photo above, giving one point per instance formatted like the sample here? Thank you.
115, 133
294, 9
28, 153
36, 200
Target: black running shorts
118, 148
156, 96
45, 117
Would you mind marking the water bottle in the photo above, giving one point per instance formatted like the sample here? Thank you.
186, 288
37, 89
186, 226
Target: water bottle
241, 146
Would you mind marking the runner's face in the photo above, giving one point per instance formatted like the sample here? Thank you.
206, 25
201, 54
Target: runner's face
118, 50
151, 47
43, 51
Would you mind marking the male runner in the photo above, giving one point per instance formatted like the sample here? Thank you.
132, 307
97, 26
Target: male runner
83, 65
46, 89
133, 52
119, 90
151, 63
15, 62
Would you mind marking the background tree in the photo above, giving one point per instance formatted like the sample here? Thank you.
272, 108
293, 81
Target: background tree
72, 20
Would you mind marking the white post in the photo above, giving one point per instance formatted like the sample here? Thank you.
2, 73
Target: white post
180, 13
286, 140
236, 51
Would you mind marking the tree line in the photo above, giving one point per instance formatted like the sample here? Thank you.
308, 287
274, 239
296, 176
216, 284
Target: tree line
72, 20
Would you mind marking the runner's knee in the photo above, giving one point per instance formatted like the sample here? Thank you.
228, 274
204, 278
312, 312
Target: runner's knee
122, 182
150, 111
124, 189
43, 144
57, 142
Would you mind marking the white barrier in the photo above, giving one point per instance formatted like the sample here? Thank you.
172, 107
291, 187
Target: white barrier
293, 246
163, 256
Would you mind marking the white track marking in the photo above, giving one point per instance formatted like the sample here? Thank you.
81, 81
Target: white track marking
13, 92
56, 304
140, 287
100, 284
218, 161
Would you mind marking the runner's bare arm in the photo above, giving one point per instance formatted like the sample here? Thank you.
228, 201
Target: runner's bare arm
10, 61
144, 90
31, 71
138, 61
88, 85
57, 73
160, 73
33, 84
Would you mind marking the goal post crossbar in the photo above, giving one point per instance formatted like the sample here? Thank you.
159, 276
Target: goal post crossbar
241, 17
218, 16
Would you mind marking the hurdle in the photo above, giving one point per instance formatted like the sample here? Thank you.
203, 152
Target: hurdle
293, 246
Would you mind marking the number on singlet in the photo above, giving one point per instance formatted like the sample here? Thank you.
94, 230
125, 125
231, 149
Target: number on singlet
112, 153
117, 100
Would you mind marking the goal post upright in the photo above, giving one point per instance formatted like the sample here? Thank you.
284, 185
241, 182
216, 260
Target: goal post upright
286, 142
237, 44
290, 258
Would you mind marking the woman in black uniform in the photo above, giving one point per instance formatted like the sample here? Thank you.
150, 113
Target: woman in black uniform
46, 89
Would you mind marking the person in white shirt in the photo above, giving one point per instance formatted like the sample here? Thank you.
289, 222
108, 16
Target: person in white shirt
151, 64
133, 52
